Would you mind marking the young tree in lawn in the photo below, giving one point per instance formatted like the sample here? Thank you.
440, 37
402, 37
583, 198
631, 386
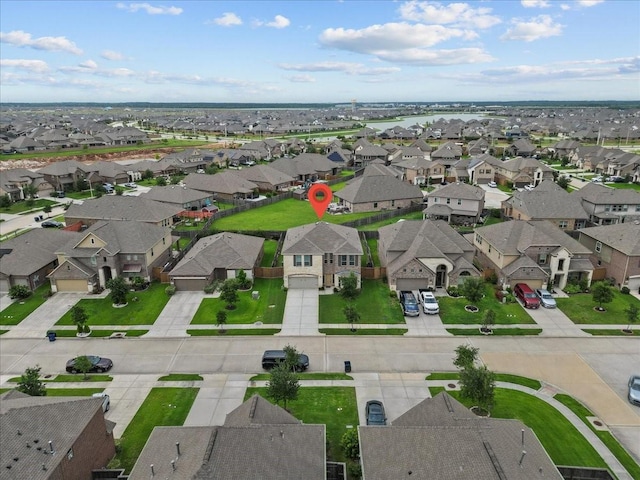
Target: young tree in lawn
283, 385
221, 319
47, 210
79, 317
488, 320
31, 384
472, 289
83, 365
632, 312
161, 182
349, 286
601, 292
563, 182
351, 315
478, 384
465, 356
243, 282
119, 290
229, 293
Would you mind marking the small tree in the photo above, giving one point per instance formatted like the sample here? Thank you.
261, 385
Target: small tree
283, 385
292, 357
119, 290
161, 182
19, 291
83, 365
47, 209
243, 282
489, 320
478, 384
79, 317
31, 384
148, 174
632, 312
349, 286
563, 182
350, 444
221, 319
352, 315
601, 292
472, 289
229, 293
465, 356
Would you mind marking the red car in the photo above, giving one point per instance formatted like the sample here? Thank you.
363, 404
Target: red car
526, 295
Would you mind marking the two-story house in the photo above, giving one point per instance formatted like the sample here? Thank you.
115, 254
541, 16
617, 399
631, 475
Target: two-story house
607, 205
481, 169
457, 203
537, 253
319, 254
521, 171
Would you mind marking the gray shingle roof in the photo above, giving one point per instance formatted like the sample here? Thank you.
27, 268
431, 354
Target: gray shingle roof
603, 195
227, 182
548, 201
378, 188
116, 207
459, 190
175, 194
33, 250
265, 174
624, 237
319, 238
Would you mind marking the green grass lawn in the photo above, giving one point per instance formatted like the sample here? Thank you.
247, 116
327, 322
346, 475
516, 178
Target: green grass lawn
92, 377
630, 186
562, 441
579, 308
335, 407
389, 221
375, 305
18, 310
609, 440
500, 377
496, 331
99, 333
143, 312
228, 332
363, 331
162, 407
610, 332
21, 207
373, 246
280, 216
2, 332
181, 377
270, 247
452, 310
73, 392
307, 376
268, 309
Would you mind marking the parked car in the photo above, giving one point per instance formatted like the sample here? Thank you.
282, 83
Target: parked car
52, 224
616, 179
597, 179
527, 296
528, 187
98, 364
492, 184
634, 390
374, 412
546, 299
130, 185
409, 304
429, 303
272, 358
106, 400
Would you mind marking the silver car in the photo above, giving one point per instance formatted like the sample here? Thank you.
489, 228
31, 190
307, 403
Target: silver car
546, 299
634, 390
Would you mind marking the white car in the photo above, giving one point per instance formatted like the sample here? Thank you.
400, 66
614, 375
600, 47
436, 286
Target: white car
429, 303
596, 179
528, 187
492, 184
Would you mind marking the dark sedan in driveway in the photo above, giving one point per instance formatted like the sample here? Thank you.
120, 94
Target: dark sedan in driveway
375, 413
98, 364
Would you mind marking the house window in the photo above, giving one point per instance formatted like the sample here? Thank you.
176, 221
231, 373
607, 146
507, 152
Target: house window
563, 224
297, 260
448, 201
94, 260
637, 208
561, 264
435, 200
393, 203
459, 201
542, 259
328, 258
478, 239
306, 259
93, 240
598, 247
375, 204
164, 241
152, 252
104, 259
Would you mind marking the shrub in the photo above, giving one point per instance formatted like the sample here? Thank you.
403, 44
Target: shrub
453, 291
170, 290
625, 290
19, 291
393, 294
492, 278
350, 444
571, 288
210, 288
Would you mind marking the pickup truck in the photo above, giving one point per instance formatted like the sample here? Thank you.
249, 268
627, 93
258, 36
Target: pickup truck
409, 304
429, 302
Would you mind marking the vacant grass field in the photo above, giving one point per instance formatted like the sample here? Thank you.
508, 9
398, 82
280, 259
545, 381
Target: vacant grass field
269, 308
143, 312
580, 309
280, 216
334, 407
452, 310
162, 407
18, 310
375, 305
496, 331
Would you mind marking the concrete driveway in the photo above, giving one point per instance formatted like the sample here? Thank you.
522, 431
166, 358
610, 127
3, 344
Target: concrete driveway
554, 322
301, 312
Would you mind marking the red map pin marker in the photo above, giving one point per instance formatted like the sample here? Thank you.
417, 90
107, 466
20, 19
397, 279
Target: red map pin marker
320, 196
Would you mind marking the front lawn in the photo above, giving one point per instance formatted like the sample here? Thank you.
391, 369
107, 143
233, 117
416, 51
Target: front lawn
495, 331
375, 304
281, 215
91, 377
18, 310
181, 377
630, 186
73, 392
268, 309
500, 377
229, 332
99, 333
363, 331
580, 309
162, 407
389, 221
144, 311
607, 332
23, 206
452, 310
335, 407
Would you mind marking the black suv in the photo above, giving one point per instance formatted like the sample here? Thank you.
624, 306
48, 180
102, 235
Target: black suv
271, 358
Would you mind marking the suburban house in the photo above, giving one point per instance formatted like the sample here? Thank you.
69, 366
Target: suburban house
459, 171
535, 252
606, 205
481, 169
117, 207
193, 159
257, 440
424, 254
447, 153
14, 181
416, 170
547, 201
267, 178
227, 185
183, 197
28, 258
317, 255
565, 148
616, 248
457, 203
64, 175
521, 171
107, 250
217, 257
51, 438
441, 438
521, 147
378, 192
365, 152
478, 147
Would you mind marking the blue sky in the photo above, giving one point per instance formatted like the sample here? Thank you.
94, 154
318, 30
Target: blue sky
319, 51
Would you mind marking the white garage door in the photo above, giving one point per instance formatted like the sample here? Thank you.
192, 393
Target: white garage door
303, 282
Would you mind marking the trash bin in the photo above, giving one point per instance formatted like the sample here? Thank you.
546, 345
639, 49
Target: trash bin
52, 336
347, 366
36, 218
41, 217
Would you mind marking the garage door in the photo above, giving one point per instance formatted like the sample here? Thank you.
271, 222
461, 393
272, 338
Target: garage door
634, 283
410, 284
190, 284
310, 282
4, 284
72, 285
533, 284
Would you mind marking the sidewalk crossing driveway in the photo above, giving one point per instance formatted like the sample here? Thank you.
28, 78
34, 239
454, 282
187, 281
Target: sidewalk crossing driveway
176, 316
45, 316
555, 323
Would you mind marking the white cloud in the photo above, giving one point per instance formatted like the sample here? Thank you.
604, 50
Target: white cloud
150, 9
89, 64
19, 38
279, 22
535, 3
417, 56
111, 55
36, 66
346, 67
460, 14
589, 3
302, 79
534, 29
228, 19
